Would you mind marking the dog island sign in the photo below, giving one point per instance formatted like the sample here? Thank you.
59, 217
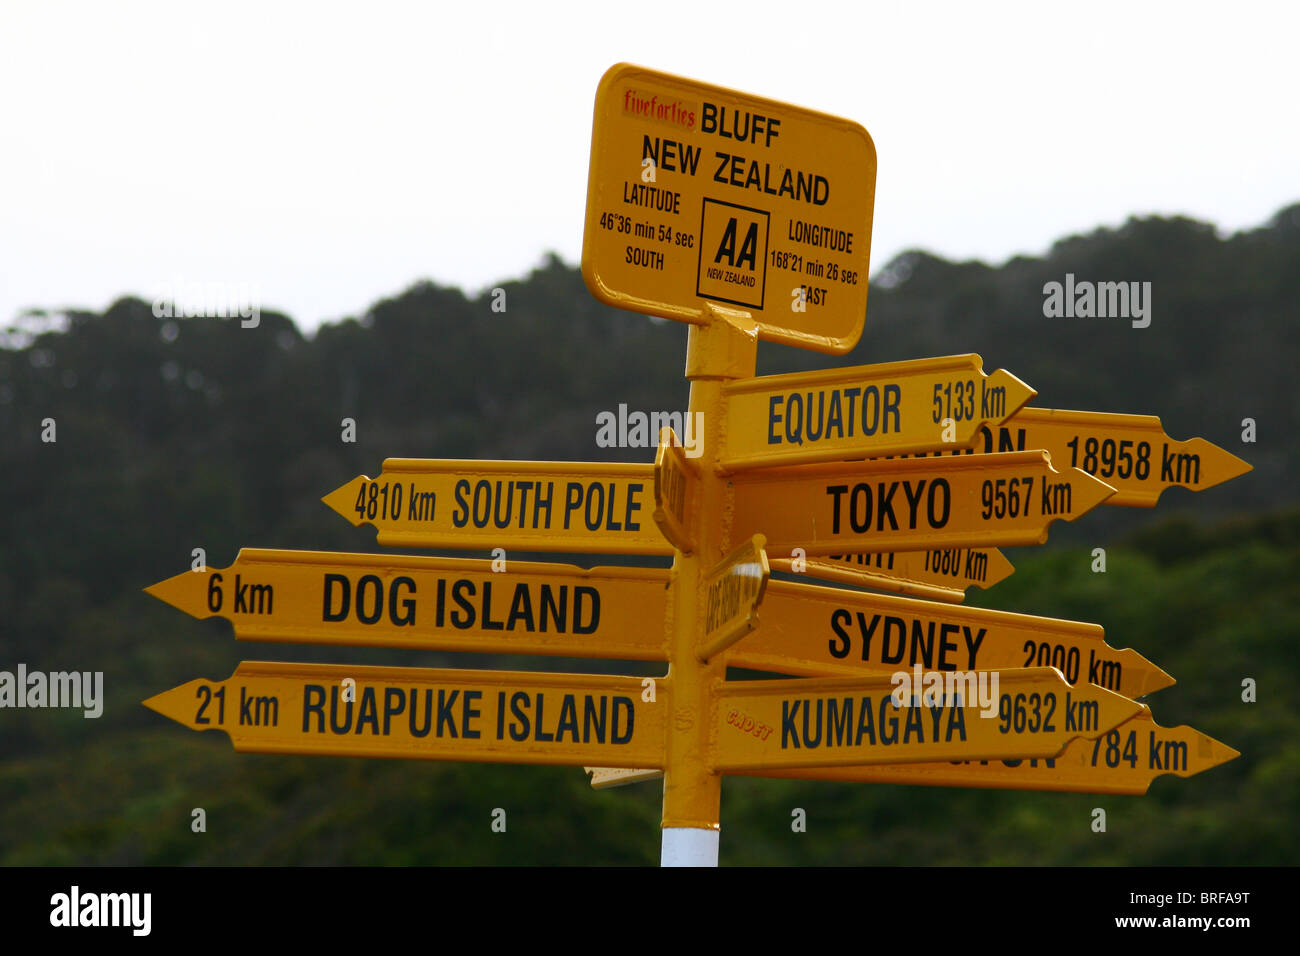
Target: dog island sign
699, 194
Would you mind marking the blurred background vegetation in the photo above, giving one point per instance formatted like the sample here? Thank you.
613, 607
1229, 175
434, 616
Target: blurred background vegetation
177, 434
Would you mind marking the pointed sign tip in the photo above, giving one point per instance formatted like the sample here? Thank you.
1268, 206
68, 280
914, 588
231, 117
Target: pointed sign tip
1157, 678
1090, 491
176, 704
1218, 464
342, 499
1018, 393
177, 591
999, 569
1220, 753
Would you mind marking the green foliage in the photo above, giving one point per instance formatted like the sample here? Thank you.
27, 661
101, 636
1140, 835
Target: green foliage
220, 437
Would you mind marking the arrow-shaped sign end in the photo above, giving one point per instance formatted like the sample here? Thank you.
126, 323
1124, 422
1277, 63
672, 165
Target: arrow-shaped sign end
1157, 679
343, 500
1112, 710
1202, 752
1220, 753
178, 703
1018, 394
999, 569
1087, 492
1217, 464
181, 591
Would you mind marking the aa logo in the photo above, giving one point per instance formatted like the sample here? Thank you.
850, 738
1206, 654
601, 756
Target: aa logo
733, 254
727, 250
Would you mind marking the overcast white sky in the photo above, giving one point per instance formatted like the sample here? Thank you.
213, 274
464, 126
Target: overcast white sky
328, 155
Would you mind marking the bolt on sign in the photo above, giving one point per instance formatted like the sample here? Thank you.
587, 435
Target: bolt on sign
697, 194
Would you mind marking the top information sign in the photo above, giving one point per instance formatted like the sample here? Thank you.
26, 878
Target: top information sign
700, 194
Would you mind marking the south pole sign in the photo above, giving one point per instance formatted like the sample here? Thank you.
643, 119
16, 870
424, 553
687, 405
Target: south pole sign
749, 219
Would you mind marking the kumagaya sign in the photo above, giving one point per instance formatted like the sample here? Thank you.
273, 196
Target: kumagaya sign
699, 194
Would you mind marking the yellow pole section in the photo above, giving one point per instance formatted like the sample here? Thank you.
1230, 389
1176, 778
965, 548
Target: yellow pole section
723, 349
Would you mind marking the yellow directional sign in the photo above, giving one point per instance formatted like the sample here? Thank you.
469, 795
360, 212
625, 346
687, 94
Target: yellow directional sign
911, 504
528, 505
1124, 760
937, 575
1131, 453
700, 194
865, 411
734, 589
825, 722
448, 604
676, 477
830, 632
428, 714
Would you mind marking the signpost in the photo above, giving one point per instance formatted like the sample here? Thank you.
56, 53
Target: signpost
528, 505
748, 219
909, 504
938, 574
444, 604
866, 411
696, 192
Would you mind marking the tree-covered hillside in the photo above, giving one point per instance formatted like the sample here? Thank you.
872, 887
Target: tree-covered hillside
198, 433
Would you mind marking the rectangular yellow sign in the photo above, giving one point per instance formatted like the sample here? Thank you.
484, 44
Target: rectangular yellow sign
1124, 761
675, 491
733, 590
826, 722
524, 505
448, 604
967, 501
428, 714
829, 632
940, 574
699, 194
865, 411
